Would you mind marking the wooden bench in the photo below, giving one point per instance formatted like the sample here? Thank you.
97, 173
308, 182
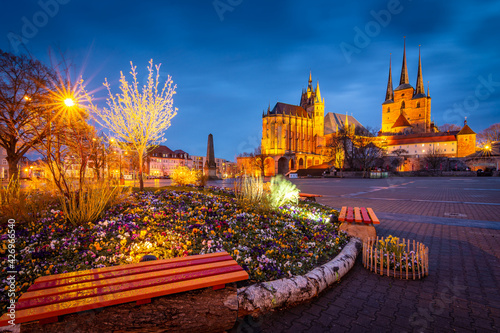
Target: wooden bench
358, 215
310, 197
358, 222
64, 294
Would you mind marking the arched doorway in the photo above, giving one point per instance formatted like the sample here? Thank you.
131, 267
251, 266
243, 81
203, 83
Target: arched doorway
269, 167
282, 165
292, 164
301, 163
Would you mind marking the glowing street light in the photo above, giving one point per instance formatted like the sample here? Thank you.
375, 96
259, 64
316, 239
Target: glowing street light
69, 102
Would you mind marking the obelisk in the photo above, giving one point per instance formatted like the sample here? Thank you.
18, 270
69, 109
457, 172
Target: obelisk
210, 168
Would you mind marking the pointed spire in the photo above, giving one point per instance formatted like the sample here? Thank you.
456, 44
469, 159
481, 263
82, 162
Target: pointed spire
428, 94
404, 70
389, 95
346, 124
420, 90
318, 93
310, 77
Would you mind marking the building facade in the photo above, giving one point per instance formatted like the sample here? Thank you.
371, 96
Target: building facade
296, 136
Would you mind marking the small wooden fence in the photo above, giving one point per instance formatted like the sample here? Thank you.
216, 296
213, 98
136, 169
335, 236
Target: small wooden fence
410, 260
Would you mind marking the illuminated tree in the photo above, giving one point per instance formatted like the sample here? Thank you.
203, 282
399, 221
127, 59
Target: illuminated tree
138, 116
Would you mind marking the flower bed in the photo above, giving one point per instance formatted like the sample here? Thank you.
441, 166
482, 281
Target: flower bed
272, 245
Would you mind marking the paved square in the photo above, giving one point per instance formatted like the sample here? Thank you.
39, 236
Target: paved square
457, 218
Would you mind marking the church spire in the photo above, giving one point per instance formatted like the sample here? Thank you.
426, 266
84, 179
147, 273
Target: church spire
318, 94
389, 95
310, 77
404, 70
428, 95
420, 81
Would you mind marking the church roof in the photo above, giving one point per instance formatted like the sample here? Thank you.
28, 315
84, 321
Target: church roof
334, 120
162, 150
466, 130
294, 110
421, 138
401, 122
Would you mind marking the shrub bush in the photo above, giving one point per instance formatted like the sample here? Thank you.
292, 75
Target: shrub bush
183, 176
282, 192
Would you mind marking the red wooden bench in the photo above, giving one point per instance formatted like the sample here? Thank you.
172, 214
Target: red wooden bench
310, 197
358, 215
56, 295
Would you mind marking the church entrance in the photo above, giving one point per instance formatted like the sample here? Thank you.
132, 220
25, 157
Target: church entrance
269, 167
282, 165
292, 164
301, 163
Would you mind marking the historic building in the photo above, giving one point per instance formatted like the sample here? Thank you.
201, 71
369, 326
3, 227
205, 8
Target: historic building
407, 125
297, 136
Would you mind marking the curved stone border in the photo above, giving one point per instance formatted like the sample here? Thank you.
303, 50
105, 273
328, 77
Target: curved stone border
264, 296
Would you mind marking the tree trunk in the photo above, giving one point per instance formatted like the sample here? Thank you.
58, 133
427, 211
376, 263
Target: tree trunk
202, 310
141, 181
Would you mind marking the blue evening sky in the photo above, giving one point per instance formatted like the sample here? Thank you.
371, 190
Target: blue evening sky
230, 59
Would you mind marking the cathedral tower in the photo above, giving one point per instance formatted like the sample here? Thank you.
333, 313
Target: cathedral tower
405, 100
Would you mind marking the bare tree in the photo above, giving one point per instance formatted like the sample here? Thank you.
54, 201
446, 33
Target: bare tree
435, 160
449, 127
489, 134
138, 117
24, 86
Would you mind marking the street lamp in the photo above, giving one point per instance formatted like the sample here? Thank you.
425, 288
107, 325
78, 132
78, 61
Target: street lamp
69, 102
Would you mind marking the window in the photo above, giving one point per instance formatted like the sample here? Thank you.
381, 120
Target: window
420, 115
415, 145
445, 150
422, 144
388, 110
403, 105
452, 149
418, 104
415, 151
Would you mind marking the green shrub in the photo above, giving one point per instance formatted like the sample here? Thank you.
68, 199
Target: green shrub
282, 192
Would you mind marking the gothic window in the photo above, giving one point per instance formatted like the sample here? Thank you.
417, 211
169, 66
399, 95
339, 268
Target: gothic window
420, 115
388, 110
418, 104
403, 105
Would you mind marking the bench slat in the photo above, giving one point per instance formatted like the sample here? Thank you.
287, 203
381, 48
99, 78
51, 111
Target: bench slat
342, 214
164, 265
349, 217
364, 214
129, 266
308, 195
128, 285
82, 287
373, 216
84, 304
357, 215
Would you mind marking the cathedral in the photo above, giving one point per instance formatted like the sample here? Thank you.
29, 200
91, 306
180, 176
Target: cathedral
296, 136
407, 125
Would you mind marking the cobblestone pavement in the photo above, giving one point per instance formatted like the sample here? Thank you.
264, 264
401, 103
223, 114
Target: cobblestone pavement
462, 291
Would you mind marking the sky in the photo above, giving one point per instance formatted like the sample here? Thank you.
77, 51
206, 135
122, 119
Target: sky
231, 59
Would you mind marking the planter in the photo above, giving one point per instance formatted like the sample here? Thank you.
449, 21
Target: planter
411, 261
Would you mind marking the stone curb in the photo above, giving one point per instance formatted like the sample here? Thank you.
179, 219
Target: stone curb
264, 296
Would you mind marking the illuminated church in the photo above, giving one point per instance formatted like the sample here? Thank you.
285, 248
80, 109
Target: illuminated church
407, 125
296, 136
